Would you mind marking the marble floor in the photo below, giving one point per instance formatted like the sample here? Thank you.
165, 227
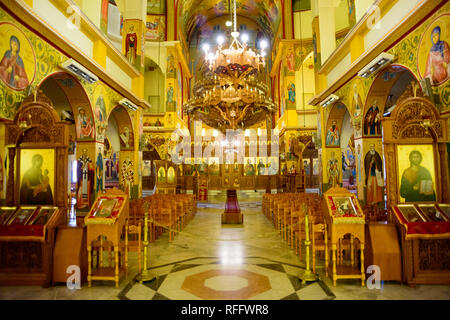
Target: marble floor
211, 261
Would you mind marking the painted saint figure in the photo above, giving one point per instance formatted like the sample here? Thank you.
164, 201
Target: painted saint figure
12, 68
417, 182
261, 167
99, 171
127, 176
125, 137
291, 93
170, 95
85, 179
131, 45
214, 168
437, 67
85, 125
333, 171
356, 101
100, 116
273, 167
374, 176
290, 60
35, 188
372, 121
333, 135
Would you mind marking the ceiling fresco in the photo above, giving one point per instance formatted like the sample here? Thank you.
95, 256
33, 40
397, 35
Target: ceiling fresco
195, 13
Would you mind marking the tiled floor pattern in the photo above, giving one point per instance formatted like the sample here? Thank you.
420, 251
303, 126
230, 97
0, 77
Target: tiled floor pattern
208, 279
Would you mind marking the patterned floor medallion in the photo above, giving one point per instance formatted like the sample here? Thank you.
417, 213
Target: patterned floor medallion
207, 279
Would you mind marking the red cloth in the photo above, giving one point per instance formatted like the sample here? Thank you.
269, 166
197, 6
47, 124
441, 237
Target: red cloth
232, 204
422, 228
21, 230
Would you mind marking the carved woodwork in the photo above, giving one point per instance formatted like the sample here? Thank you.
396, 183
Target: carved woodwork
37, 125
415, 120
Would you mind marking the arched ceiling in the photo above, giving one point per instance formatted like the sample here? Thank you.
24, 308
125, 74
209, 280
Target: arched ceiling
195, 13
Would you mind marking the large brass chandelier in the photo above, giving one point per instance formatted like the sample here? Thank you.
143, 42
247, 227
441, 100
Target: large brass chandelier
233, 92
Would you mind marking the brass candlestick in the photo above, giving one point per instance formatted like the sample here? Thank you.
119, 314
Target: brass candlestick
308, 276
145, 275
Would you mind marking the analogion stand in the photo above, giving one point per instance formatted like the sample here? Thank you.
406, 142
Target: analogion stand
109, 218
345, 216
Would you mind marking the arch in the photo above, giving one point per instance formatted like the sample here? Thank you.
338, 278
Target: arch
171, 176
125, 127
335, 121
78, 100
308, 56
383, 94
161, 175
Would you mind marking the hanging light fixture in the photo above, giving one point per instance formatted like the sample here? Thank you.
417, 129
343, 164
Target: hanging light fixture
237, 52
233, 83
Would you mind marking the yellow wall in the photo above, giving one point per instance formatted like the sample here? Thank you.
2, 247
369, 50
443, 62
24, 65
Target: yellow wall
341, 16
303, 23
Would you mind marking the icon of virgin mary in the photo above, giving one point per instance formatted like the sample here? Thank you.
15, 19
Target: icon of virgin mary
437, 67
12, 69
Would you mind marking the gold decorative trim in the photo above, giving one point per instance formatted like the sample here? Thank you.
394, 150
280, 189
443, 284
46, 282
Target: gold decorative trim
30, 20
402, 28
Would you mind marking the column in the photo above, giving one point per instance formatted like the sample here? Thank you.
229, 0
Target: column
133, 48
287, 20
326, 28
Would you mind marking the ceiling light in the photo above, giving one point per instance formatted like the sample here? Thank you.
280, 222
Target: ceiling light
377, 63
127, 103
331, 98
263, 44
77, 69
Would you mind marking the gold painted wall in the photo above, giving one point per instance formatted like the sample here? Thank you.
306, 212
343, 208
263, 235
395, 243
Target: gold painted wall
412, 52
47, 60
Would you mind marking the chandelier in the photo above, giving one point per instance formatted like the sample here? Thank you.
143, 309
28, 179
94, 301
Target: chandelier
233, 92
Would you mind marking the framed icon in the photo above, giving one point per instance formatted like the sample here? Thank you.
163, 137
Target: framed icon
432, 213
22, 215
410, 213
6, 213
43, 216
